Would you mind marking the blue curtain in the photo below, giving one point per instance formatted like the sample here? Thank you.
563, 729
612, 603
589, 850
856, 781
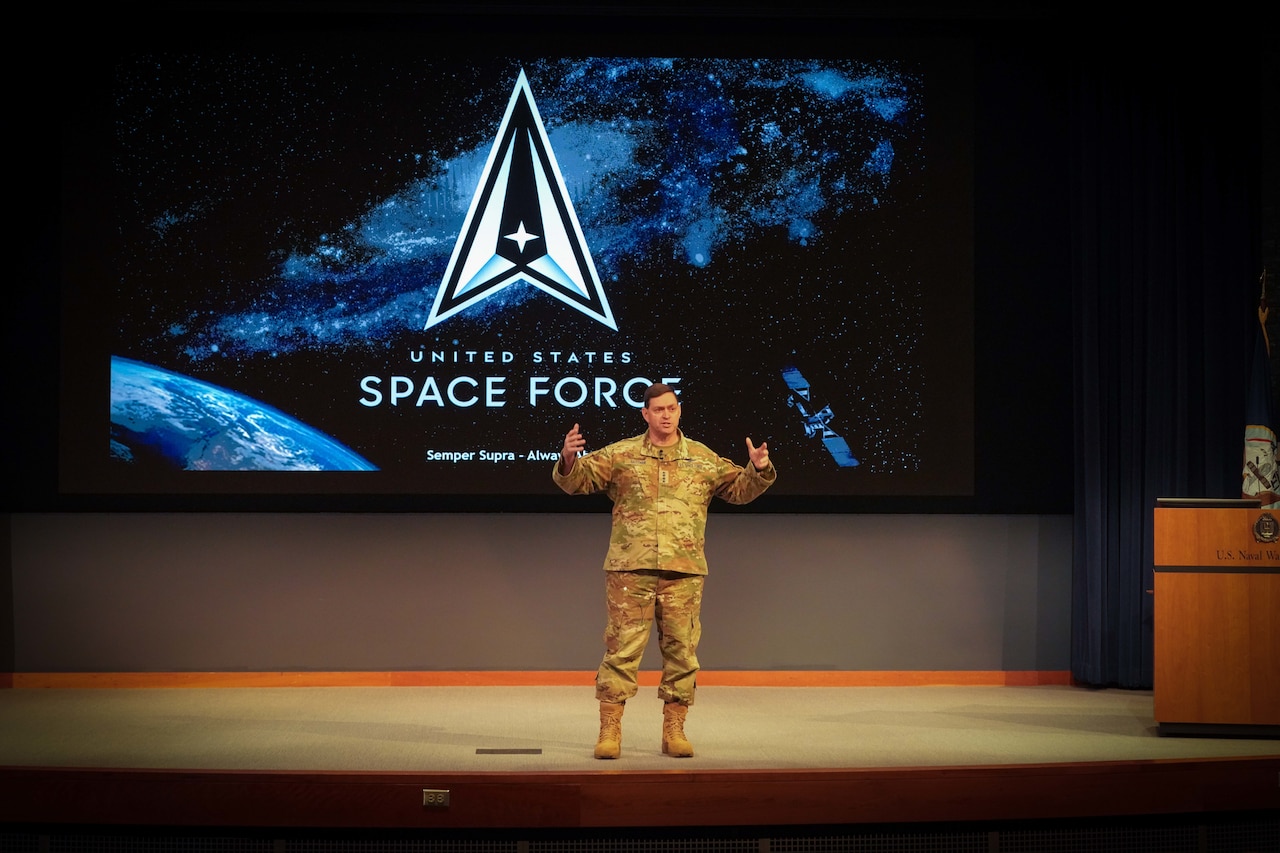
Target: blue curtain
1165, 186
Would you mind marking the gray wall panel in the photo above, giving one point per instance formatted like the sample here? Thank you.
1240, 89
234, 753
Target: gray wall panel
270, 592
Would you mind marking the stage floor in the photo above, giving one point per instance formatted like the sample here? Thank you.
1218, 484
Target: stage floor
524, 729
522, 757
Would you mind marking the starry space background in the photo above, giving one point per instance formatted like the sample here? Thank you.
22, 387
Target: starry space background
284, 219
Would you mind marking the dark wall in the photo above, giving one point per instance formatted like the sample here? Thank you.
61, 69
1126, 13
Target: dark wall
6, 598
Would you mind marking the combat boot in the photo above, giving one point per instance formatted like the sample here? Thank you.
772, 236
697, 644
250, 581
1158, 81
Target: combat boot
674, 743
609, 744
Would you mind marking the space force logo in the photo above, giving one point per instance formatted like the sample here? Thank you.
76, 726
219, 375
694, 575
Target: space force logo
521, 226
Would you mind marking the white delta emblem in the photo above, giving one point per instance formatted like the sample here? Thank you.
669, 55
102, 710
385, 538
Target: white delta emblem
521, 226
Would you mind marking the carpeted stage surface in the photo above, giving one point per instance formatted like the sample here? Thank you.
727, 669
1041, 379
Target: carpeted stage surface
278, 765
520, 729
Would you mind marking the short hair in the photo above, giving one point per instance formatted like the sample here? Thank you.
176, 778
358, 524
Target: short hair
657, 389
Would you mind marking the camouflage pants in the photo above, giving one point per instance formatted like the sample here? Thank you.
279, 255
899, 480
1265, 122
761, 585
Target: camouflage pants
635, 601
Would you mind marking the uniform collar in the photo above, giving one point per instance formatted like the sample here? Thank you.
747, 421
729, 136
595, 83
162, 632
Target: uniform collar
668, 451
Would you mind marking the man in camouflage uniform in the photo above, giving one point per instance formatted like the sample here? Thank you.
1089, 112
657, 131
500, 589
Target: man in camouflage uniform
661, 484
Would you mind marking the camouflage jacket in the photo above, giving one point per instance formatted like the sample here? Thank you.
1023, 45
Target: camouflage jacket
660, 497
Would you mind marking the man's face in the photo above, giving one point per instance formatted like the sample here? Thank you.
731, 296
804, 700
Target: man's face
663, 417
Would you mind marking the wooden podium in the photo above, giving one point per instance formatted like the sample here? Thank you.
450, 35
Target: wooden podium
1217, 618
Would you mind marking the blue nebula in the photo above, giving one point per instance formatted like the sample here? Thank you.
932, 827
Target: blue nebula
881, 160
666, 161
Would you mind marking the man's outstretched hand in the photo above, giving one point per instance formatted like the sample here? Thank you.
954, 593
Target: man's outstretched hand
759, 455
573, 444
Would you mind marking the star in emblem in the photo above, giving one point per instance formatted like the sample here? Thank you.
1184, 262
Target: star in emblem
521, 237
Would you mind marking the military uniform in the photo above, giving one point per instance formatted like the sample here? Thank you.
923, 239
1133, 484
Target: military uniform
656, 562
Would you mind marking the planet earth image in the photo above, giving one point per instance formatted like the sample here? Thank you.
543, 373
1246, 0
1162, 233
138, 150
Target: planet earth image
163, 418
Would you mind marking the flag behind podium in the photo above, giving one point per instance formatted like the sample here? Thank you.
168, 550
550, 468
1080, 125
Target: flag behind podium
1259, 431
